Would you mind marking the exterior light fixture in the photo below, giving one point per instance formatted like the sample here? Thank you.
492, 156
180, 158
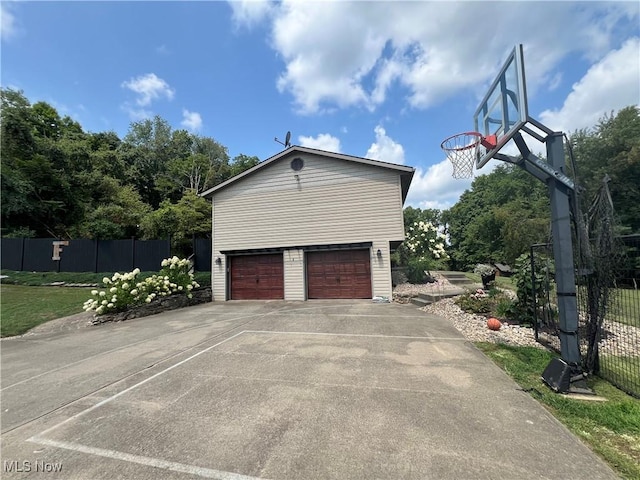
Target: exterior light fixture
379, 253
218, 260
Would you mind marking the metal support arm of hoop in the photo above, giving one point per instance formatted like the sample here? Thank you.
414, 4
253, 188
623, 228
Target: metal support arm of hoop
541, 169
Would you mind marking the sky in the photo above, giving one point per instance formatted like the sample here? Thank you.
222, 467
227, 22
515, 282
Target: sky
383, 80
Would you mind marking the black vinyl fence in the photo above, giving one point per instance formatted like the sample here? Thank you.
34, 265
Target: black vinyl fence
610, 345
36, 254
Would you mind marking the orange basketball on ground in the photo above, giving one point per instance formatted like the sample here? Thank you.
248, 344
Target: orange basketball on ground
493, 324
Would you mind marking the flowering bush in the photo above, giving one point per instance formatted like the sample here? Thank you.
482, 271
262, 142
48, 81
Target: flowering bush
425, 241
123, 291
484, 270
487, 274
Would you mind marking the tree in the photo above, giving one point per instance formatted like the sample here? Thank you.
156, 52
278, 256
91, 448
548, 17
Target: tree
612, 148
119, 216
190, 216
146, 151
38, 193
502, 214
241, 163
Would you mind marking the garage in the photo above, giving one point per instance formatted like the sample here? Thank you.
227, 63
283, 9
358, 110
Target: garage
333, 219
257, 277
339, 274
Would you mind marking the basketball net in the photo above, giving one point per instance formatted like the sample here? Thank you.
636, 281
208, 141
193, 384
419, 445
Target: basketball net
461, 150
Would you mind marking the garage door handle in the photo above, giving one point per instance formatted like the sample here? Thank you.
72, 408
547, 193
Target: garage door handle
257, 279
338, 279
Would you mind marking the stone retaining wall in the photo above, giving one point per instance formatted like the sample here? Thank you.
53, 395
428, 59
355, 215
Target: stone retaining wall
162, 304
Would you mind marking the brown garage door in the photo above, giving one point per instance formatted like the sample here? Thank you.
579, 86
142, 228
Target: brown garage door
339, 274
257, 277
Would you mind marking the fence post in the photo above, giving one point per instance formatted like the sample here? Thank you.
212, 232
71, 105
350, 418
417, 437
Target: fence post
22, 255
133, 253
95, 255
533, 294
194, 251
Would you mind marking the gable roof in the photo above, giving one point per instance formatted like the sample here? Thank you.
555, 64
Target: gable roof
406, 173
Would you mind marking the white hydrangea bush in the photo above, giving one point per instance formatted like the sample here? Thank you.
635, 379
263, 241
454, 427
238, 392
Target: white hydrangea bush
123, 291
426, 241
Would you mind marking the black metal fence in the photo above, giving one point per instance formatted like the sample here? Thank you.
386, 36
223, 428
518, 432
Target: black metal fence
36, 254
616, 338
202, 254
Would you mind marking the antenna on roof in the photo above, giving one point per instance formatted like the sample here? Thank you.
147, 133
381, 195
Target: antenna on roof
287, 140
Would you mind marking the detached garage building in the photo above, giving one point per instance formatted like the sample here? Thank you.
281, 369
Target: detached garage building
307, 224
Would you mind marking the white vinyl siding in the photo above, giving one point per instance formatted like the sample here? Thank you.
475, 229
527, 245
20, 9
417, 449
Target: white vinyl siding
381, 270
218, 277
333, 202
294, 281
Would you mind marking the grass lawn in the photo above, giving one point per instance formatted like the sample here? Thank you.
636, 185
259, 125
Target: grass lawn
611, 429
626, 306
23, 307
623, 370
41, 278
502, 282
25, 303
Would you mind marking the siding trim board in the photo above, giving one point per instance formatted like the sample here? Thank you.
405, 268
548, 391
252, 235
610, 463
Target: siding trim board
306, 248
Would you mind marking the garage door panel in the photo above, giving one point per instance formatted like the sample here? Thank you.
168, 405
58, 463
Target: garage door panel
339, 274
257, 277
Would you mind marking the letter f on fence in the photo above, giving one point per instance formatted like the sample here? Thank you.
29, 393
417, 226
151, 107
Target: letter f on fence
57, 248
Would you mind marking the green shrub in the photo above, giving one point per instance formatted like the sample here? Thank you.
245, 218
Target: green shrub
415, 270
506, 309
473, 303
494, 303
537, 287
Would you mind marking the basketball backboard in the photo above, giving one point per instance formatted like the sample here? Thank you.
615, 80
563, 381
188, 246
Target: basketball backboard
503, 111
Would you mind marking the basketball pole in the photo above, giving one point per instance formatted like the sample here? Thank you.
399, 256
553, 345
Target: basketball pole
563, 255
563, 375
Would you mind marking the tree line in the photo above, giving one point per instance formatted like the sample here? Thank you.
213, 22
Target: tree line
60, 181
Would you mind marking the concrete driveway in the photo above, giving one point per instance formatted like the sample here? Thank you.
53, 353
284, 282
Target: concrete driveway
277, 390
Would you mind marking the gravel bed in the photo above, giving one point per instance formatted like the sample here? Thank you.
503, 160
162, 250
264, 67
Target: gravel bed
405, 291
617, 339
474, 327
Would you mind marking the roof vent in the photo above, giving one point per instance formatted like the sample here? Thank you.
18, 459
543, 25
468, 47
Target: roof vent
297, 164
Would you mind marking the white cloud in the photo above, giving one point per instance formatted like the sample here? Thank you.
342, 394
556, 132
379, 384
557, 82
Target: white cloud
323, 141
435, 187
433, 50
192, 121
8, 26
63, 109
135, 113
149, 87
247, 13
385, 148
163, 50
611, 84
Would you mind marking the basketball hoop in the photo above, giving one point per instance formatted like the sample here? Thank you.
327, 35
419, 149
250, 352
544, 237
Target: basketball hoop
461, 150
